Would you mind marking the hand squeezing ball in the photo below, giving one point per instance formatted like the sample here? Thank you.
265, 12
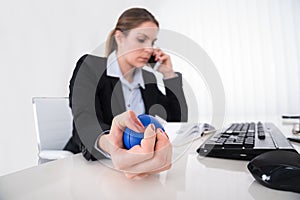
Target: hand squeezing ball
132, 138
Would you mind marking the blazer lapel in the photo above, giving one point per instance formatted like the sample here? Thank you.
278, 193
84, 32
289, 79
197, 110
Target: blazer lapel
117, 97
149, 94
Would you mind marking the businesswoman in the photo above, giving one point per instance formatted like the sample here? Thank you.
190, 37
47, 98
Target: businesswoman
106, 95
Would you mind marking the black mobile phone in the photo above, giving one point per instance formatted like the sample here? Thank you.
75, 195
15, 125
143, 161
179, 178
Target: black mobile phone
152, 61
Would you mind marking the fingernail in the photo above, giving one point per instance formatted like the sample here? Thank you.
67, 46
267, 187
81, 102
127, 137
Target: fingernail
152, 127
140, 125
166, 135
139, 122
161, 131
135, 119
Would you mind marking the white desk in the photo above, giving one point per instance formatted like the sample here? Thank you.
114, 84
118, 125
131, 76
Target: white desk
191, 177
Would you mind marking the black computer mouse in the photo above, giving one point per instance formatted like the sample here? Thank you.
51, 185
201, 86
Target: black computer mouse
278, 169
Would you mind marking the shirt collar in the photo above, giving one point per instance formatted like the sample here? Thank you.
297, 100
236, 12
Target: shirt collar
113, 69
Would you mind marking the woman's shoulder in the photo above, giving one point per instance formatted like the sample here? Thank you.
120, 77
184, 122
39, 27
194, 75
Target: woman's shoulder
91, 63
89, 58
90, 66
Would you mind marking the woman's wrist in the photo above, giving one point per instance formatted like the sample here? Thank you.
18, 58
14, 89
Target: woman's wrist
168, 75
102, 143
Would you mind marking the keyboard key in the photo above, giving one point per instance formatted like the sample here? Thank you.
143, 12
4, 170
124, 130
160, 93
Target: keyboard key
232, 144
261, 135
250, 134
231, 129
211, 144
221, 140
245, 128
238, 129
242, 135
240, 139
251, 128
225, 135
249, 142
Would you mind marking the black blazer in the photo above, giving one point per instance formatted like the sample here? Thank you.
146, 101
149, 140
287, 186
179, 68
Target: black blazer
96, 98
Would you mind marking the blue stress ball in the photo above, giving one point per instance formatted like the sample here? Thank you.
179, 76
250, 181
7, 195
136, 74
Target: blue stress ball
132, 138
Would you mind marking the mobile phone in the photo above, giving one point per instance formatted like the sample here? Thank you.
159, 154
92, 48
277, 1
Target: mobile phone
152, 61
154, 64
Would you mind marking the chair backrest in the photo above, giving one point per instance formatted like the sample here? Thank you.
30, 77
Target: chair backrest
53, 122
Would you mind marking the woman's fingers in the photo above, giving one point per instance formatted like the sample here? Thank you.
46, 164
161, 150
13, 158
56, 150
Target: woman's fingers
136, 176
148, 142
135, 121
126, 159
126, 119
165, 66
162, 139
160, 161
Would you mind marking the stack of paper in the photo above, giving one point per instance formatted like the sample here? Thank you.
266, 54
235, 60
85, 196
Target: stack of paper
190, 132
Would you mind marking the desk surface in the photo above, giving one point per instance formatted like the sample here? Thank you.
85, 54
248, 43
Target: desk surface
190, 177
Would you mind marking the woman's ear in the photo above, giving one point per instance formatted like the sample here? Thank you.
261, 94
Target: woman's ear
118, 37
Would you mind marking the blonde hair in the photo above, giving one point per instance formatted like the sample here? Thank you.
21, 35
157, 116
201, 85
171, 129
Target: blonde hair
128, 20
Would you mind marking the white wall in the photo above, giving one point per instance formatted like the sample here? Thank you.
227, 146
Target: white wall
41, 41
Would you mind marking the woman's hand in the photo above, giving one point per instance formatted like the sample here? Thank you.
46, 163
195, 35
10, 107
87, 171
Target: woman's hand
152, 156
160, 161
165, 63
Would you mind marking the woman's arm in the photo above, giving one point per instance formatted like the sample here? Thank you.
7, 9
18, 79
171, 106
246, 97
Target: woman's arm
176, 106
83, 86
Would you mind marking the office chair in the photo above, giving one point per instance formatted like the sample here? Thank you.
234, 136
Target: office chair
53, 123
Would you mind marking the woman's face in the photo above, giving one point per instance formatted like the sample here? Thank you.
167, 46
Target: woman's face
136, 47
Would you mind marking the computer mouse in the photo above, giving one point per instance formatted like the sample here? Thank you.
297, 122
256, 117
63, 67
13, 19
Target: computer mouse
277, 169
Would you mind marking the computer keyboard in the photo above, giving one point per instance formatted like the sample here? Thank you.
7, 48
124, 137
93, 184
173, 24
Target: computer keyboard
244, 141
